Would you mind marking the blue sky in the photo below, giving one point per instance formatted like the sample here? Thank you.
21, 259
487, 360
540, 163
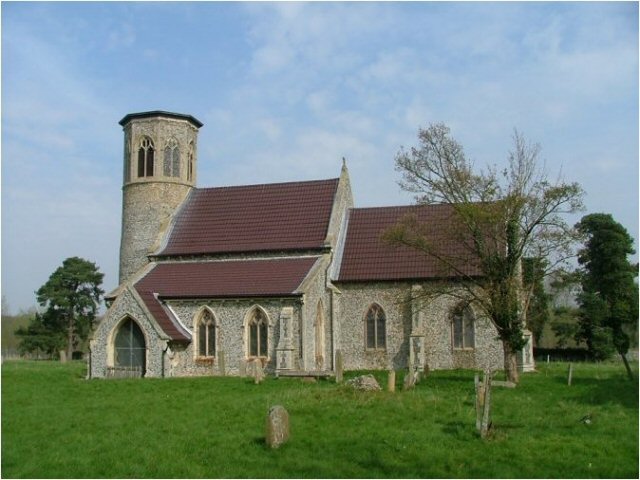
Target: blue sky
285, 90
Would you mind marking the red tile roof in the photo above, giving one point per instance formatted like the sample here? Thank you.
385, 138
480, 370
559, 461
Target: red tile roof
367, 257
272, 217
221, 279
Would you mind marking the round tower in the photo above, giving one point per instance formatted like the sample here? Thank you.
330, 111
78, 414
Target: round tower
160, 152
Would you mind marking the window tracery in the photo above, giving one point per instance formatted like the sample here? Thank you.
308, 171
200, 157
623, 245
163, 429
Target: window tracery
463, 326
146, 154
206, 333
376, 328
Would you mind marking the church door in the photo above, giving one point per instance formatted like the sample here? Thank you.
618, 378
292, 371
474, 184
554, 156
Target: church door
130, 347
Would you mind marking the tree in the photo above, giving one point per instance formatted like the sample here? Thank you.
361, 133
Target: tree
39, 336
538, 313
499, 219
71, 297
609, 298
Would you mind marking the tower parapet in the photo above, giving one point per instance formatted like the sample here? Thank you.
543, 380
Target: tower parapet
160, 159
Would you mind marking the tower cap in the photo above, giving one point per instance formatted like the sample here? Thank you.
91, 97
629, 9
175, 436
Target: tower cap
159, 113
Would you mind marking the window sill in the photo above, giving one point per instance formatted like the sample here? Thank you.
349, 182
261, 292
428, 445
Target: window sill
205, 360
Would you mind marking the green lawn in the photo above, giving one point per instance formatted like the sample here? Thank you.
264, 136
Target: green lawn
56, 424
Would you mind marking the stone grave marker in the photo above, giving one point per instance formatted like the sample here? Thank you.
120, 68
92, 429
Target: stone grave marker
277, 427
258, 373
409, 380
391, 381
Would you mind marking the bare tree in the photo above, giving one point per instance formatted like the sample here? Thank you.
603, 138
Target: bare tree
498, 218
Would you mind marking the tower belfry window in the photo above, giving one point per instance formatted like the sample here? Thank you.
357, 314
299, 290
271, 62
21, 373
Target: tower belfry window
171, 159
190, 163
145, 158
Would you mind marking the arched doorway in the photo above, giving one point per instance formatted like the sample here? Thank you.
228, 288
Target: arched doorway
130, 348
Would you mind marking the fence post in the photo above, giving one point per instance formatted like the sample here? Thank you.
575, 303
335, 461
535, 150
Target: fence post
570, 374
486, 411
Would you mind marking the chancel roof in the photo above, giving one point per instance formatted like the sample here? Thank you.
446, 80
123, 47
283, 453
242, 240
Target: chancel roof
367, 257
253, 218
279, 277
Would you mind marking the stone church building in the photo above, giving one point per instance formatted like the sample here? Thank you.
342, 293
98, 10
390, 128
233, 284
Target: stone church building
285, 274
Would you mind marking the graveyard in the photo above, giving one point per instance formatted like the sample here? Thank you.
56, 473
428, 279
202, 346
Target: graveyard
55, 423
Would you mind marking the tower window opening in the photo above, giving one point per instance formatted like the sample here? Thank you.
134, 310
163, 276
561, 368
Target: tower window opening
145, 158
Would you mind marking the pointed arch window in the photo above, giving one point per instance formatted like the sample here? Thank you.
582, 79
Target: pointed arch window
171, 159
206, 333
258, 334
463, 327
146, 154
376, 328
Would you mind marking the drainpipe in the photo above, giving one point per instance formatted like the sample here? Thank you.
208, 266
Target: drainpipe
164, 352
89, 372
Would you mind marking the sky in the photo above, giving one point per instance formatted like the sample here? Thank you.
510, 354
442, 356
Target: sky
286, 90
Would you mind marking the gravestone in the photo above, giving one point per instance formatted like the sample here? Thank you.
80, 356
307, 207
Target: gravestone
277, 427
409, 380
391, 381
243, 368
258, 373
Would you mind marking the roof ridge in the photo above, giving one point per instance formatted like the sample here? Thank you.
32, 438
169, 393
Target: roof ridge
390, 207
275, 184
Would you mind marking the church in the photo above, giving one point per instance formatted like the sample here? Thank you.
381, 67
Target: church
290, 275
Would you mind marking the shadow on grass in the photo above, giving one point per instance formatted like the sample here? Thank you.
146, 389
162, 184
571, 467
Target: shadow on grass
610, 390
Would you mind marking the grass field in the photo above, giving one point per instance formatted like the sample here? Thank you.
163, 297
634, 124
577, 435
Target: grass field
56, 424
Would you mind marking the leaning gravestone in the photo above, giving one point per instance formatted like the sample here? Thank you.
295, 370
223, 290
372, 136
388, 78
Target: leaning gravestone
277, 426
409, 380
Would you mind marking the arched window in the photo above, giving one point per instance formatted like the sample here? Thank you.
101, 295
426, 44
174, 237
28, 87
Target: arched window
462, 324
258, 334
206, 333
190, 163
130, 349
145, 158
171, 159
376, 327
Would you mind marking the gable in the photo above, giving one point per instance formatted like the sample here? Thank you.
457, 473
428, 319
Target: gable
253, 218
